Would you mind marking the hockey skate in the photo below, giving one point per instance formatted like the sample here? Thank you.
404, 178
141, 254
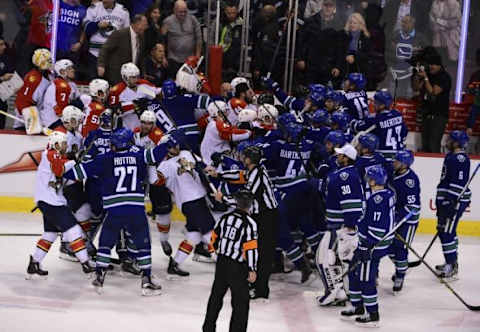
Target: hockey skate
174, 272
371, 319
66, 253
334, 297
129, 268
97, 283
202, 255
149, 288
351, 313
166, 247
449, 272
307, 274
88, 267
440, 267
397, 284
34, 271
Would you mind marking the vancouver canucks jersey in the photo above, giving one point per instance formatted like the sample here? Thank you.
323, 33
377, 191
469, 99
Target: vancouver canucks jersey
406, 187
317, 135
378, 220
356, 104
291, 103
455, 175
99, 142
123, 175
390, 130
344, 198
230, 164
363, 163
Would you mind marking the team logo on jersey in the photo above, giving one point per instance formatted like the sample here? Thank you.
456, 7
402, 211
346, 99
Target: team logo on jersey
410, 183
344, 176
32, 78
377, 199
185, 167
234, 167
461, 158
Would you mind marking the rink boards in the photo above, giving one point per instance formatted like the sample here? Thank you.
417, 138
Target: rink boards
17, 180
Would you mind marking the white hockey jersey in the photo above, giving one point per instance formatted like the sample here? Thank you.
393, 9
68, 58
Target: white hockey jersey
58, 95
149, 142
181, 178
117, 16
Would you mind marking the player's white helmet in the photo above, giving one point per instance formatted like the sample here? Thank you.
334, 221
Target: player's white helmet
129, 70
267, 112
247, 115
148, 116
57, 137
63, 64
42, 58
98, 85
215, 107
72, 113
237, 80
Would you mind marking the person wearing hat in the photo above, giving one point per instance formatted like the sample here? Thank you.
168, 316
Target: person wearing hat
235, 240
435, 86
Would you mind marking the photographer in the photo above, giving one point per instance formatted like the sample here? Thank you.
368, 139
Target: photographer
435, 84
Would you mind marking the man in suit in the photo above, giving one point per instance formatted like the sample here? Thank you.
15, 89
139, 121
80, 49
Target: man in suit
125, 45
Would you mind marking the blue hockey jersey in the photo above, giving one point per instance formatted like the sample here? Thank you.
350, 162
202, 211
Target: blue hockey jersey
378, 220
363, 163
406, 187
123, 175
356, 104
455, 175
101, 142
344, 198
230, 164
289, 102
390, 130
317, 135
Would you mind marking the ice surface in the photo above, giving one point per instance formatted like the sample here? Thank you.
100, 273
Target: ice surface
67, 302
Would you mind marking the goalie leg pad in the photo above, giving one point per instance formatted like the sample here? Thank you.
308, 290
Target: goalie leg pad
347, 243
33, 124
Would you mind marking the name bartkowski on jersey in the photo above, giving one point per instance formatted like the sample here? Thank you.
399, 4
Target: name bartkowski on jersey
294, 154
120, 161
391, 122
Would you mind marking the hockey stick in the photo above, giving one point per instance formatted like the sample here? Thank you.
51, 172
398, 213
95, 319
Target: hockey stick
470, 307
277, 48
417, 263
46, 131
20, 234
394, 229
354, 141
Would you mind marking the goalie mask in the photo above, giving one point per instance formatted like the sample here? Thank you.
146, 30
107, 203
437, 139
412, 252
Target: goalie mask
42, 59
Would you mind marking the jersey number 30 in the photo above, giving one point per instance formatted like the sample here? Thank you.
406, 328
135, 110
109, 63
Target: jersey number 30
122, 173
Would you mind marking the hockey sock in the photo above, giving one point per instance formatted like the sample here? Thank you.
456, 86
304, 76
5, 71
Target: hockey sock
449, 247
103, 258
207, 239
314, 240
144, 261
163, 226
184, 249
295, 255
43, 245
75, 236
368, 274
85, 225
132, 250
297, 237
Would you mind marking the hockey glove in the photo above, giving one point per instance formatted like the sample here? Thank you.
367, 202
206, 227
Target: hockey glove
270, 84
363, 253
217, 158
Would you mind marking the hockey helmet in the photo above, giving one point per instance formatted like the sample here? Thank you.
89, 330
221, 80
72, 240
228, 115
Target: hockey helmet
285, 118
341, 119
358, 79
215, 107
63, 64
376, 173
383, 97
169, 89
122, 138
320, 116
317, 95
148, 116
265, 98
129, 70
267, 112
335, 137
57, 137
294, 131
405, 157
369, 142
460, 137
72, 113
98, 85
106, 118
247, 115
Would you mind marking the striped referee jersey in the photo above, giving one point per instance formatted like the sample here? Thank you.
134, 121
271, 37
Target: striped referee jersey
258, 183
235, 236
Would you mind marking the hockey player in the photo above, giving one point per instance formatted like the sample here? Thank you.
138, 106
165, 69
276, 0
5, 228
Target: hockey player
356, 100
122, 172
57, 216
344, 208
182, 178
99, 90
389, 125
333, 100
406, 187
243, 91
267, 115
234, 107
377, 222
30, 96
450, 205
61, 92
131, 95
219, 132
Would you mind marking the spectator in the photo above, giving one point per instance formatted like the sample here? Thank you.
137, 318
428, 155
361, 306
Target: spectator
184, 36
356, 45
474, 91
125, 45
435, 85
377, 67
312, 8
321, 63
445, 20
153, 33
156, 65
69, 30
101, 20
405, 44
141, 7
6, 73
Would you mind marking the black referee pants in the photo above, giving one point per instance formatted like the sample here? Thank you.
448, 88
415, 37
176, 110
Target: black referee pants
232, 275
266, 225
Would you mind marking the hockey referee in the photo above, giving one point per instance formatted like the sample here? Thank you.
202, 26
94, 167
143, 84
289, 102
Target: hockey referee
235, 240
264, 212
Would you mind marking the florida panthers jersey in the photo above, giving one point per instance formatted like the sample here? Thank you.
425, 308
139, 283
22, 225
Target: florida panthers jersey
147, 141
379, 219
122, 175
97, 142
455, 175
344, 198
390, 130
74, 140
356, 104
118, 18
406, 187
57, 97
363, 163
92, 117
32, 91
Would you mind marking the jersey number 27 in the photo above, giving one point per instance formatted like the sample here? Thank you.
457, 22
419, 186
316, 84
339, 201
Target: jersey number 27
121, 172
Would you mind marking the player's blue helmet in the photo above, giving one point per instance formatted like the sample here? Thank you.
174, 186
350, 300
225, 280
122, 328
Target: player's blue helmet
383, 97
177, 137
358, 79
122, 138
294, 131
243, 145
169, 89
460, 137
320, 116
341, 119
378, 174
106, 118
335, 96
335, 137
285, 118
317, 95
405, 157
369, 141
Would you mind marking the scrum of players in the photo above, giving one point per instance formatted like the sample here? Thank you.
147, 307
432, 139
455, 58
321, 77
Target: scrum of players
342, 176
